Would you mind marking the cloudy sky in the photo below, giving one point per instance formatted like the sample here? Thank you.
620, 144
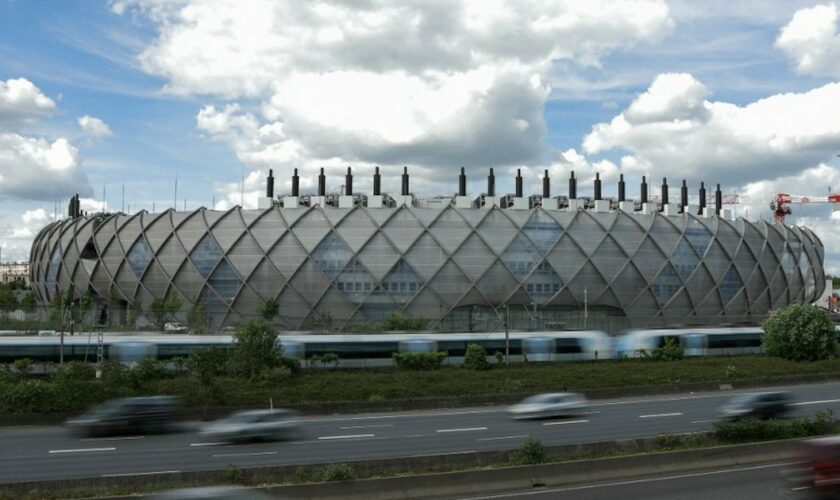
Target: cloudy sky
106, 98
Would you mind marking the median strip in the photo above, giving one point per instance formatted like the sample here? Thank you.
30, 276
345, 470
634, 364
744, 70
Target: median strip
502, 437
252, 454
127, 474
123, 438
82, 450
348, 436
465, 429
206, 444
566, 422
824, 401
658, 415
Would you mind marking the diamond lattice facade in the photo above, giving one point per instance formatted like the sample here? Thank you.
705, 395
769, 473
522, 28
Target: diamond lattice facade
451, 266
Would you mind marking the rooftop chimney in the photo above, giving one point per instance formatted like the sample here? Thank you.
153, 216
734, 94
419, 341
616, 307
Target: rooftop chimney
702, 197
348, 183
405, 189
491, 184
572, 186
322, 184
295, 184
664, 192
643, 190
518, 183
377, 182
597, 186
684, 195
546, 185
269, 184
462, 183
718, 200
621, 194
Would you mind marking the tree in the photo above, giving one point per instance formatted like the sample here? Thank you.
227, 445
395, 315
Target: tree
475, 358
28, 303
268, 310
254, 349
8, 298
163, 309
799, 332
197, 318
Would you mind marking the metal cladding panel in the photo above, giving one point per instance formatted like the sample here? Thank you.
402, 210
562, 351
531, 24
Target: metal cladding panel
344, 266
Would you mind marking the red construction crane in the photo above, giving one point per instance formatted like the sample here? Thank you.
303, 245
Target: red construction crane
781, 206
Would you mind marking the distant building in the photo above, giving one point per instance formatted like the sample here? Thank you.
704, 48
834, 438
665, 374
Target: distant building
14, 272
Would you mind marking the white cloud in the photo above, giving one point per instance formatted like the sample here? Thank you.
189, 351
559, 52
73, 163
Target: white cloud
812, 41
22, 104
434, 83
94, 126
37, 169
18, 230
672, 126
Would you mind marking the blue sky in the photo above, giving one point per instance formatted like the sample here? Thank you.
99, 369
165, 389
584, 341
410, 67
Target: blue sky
213, 92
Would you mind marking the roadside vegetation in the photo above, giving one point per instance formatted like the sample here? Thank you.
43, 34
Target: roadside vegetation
800, 333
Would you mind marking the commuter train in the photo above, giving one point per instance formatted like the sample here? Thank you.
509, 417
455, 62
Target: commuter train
372, 350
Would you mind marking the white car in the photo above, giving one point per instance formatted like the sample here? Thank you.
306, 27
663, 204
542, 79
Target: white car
174, 327
559, 404
263, 425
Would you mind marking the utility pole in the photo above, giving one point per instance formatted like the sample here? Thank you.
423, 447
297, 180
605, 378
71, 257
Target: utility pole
585, 309
507, 334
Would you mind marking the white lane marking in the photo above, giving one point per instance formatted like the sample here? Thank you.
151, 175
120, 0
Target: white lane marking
206, 444
142, 473
348, 436
705, 421
409, 415
82, 450
824, 401
463, 429
366, 426
441, 454
633, 481
124, 438
502, 437
658, 415
565, 422
253, 454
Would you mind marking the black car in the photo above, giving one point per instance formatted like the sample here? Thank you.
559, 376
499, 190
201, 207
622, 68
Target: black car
758, 405
128, 416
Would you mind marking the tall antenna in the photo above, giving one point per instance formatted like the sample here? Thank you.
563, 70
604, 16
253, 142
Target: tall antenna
175, 199
104, 203
242, 189
122, 206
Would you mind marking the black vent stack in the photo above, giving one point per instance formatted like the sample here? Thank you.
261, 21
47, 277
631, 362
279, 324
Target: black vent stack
621, 188
269, 184
377, 182
597, 186
643, 190
348, 183
572, 186
664, 192
684, 195
546, 185
462, 183
518, 183
718, 200
295, 184
405, 189
491, 184
322, 184
702, 197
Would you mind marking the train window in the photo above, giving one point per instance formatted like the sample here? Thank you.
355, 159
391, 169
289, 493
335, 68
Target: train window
570, 345
733, 340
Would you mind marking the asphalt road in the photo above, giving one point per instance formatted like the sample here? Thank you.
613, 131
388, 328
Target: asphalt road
36, 453
760, 482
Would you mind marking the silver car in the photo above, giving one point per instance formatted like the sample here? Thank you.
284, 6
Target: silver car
254, 425
557, 404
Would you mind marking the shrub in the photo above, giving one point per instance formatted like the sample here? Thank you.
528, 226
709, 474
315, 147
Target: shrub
233, 474
500, 357
148, 370
530, 453
338, 472
114, 375
276, 376
269, 309
208, 363
22, 365
75, 371
197, 319
324, 360
476, 358
29, 396
670, 351
401, 321
799, 333
255, 349
419, 360
742, 431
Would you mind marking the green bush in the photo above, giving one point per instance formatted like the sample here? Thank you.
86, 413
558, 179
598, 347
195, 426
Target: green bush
30, 396
419, 360
276, 376
670, 351
75, 371
148, 370
338, 472
324, 360
748, 430
269, 309
400, 321
476, 358
531, 452
799, 332
113, 375
22, 365
255, 349
207, 364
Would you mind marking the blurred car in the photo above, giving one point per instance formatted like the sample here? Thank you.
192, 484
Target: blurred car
128, 416
772, 404
174, 327
254, 425
549, 405
219, 492
819, 472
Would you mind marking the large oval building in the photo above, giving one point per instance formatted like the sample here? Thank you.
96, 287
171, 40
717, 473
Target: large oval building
455, 267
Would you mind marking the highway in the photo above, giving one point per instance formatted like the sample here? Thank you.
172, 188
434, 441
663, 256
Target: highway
36, 453
758, 482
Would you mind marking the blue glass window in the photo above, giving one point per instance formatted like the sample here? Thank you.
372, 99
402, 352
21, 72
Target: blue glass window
399, 279
698, 236
521, 256
206, 255
684, 259
355, 281
666, 284
332, 254
52, 270
225, 281
730, 285
543, 283
543, 230
788, 264
139, 256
